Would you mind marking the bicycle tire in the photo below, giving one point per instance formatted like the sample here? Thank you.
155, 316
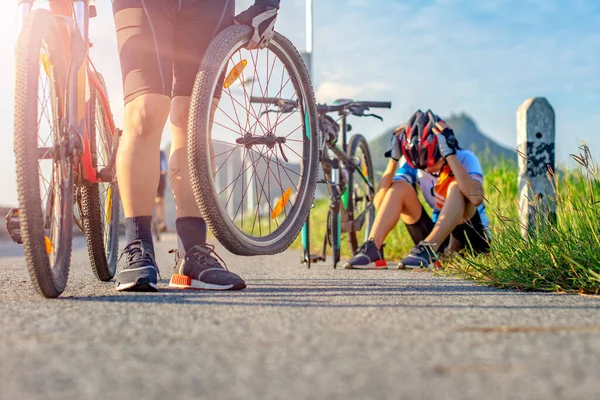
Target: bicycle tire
213, 65
41, 31
100, 221
358, 142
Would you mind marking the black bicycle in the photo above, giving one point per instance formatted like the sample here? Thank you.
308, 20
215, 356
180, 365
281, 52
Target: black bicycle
346, 169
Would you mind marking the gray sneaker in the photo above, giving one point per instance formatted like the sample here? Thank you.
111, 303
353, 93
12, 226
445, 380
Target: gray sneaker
421, 255
201, 269
368, 256
138, 272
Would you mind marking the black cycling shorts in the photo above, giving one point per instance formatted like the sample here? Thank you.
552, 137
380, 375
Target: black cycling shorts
470, 235
162, 42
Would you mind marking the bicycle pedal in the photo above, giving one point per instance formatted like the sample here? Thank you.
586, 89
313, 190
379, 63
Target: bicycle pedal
13, 225
316, 258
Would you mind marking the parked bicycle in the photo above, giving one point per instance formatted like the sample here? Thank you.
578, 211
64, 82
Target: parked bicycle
349, 175
346, 170
65, 144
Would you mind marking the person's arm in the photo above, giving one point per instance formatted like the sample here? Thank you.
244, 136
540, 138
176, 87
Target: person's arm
388, 176
385, 182
470, 187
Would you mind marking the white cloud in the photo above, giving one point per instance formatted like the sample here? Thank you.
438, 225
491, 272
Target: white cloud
329, 91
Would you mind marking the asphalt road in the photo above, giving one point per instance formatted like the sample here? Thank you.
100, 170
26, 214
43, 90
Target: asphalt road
293, 334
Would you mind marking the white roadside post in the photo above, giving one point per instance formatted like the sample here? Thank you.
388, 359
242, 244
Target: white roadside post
536, 131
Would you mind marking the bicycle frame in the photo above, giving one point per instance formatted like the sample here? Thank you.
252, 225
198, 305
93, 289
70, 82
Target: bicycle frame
346, 163
339, 190
73, 16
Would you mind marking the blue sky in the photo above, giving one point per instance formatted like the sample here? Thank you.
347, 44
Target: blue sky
481, 57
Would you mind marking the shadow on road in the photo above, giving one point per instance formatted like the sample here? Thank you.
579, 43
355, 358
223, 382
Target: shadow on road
324, 293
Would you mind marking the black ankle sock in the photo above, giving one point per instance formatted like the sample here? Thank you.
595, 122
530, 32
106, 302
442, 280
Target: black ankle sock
139, 228
191, 231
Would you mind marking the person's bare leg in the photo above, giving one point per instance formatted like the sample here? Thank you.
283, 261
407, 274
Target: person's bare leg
138, 170
456, 210
179, 174
138, 163
400, 200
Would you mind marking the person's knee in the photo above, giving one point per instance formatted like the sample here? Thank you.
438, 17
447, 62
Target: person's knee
401, 188
146, 113
453, 188
180, 108
404, 195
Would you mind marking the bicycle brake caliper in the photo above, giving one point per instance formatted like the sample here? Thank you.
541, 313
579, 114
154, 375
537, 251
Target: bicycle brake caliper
13, 225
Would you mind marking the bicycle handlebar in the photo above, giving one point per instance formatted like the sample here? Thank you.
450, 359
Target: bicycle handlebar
276, 101
355, 107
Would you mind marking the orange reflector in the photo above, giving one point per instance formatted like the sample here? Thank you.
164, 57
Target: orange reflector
49, 247
45, 63
281, 203
234, 73
364, 169
108, 204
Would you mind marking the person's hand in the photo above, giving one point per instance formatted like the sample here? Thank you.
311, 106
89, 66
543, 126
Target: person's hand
262, 19
395, 153
446, 140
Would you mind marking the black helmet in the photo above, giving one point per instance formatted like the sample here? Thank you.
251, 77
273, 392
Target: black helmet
418, 142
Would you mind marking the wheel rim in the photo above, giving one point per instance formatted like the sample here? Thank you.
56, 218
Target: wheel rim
257, 188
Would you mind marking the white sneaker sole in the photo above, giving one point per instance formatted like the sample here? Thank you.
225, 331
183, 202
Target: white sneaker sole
185, 282
379, 264
127, 286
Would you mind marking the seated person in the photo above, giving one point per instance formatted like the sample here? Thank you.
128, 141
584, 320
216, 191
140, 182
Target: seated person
451, 182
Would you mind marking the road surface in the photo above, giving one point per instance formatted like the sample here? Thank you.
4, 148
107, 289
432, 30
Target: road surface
293, 334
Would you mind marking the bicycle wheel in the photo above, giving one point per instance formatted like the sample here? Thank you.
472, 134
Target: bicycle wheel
360, 209
254, 184
43, 154
100, 205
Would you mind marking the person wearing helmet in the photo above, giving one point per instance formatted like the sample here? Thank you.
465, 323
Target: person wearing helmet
451, 182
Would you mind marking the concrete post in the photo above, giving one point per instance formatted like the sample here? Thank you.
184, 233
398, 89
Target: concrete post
535, 144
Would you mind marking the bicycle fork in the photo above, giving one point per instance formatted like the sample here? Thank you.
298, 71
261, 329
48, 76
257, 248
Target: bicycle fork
335, 227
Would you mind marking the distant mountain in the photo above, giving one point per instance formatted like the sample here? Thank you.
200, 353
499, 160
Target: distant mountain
469, 137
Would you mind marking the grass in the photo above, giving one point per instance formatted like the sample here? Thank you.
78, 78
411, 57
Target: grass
561, 257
